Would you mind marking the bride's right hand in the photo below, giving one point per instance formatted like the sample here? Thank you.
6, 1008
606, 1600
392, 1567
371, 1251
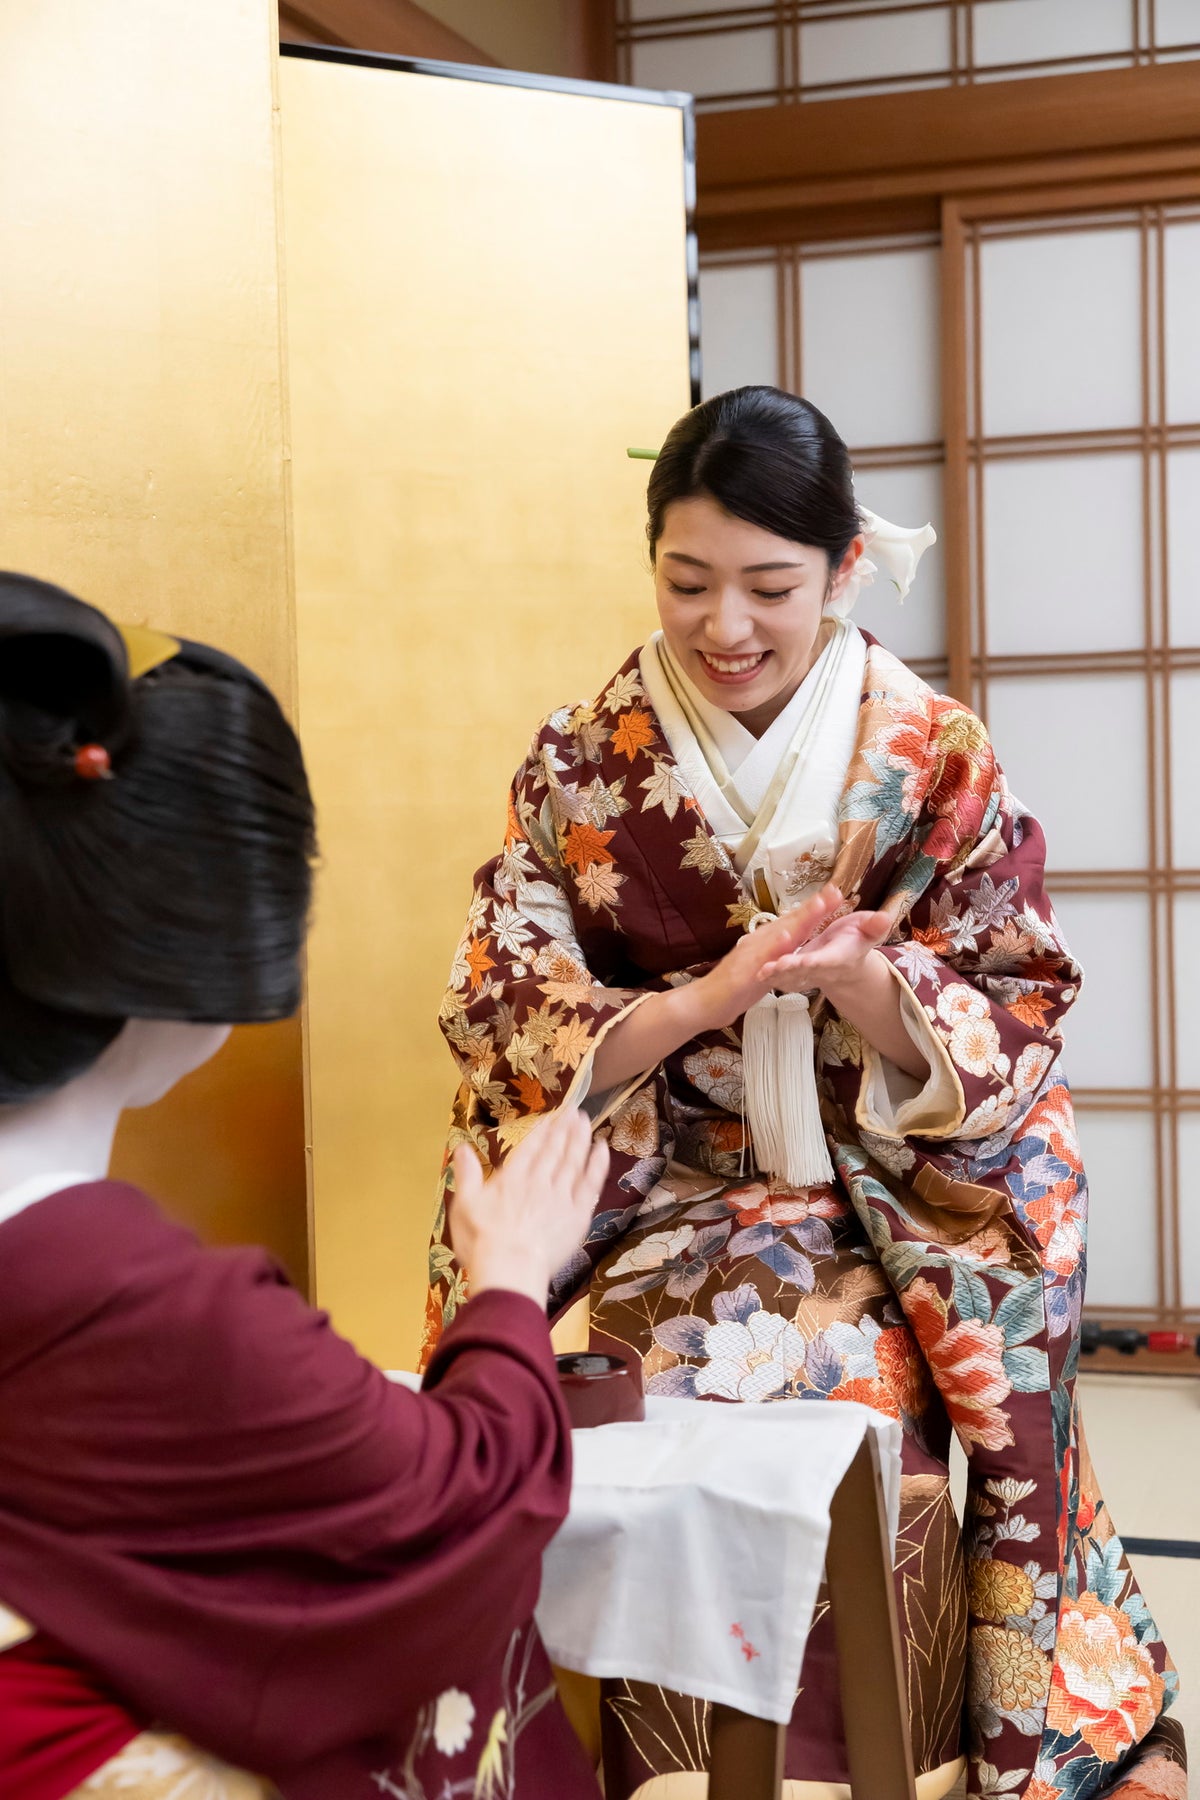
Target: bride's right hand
733, 985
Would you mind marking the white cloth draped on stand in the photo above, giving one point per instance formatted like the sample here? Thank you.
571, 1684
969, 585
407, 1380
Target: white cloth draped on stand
695, 1545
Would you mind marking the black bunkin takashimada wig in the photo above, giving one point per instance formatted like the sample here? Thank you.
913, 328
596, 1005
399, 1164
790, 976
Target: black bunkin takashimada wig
178, 888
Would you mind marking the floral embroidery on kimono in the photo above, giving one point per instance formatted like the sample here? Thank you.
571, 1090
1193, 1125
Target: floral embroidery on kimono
938, 1278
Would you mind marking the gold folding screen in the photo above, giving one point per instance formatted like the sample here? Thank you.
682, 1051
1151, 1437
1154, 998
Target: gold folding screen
142, 437
488, 296
487, 303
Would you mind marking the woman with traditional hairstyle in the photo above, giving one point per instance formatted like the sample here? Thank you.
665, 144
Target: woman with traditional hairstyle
227, 1542
767, 910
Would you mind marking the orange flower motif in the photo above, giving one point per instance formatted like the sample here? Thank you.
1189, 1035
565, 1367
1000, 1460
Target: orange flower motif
586, 844
1104, 1682
1041, 1790
478, 960
632, 732
868, 1392
756, 1204
724, 1136
966, 1363
1158, 1778
533, 1094
902, 1370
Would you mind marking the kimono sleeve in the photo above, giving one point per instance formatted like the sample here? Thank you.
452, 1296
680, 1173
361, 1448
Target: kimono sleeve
980, 948
524, 1013
421, 1516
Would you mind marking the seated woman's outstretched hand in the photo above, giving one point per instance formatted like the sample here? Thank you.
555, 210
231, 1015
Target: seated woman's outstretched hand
750, 970
519, 1228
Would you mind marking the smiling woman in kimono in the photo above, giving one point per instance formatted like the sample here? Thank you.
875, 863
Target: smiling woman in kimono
216, 1519
768, 910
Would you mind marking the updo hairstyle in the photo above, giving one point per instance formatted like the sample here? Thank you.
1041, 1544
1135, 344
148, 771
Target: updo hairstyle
766, 457
177, 889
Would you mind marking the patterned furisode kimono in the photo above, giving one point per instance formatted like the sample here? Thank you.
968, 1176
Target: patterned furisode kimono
938, 1276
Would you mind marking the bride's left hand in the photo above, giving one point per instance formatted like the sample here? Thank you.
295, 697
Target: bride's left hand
837, 962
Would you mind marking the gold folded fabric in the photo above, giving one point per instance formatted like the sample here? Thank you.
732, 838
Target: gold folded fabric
159, 1766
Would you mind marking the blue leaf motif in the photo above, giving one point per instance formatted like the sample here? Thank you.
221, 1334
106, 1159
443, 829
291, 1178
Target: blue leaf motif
1105, 1575
790, 1266
1078, 1775
814, 1236
1021, 1313
629, 1290
708, 1240
708, 1209
1028, 1370
675, 1384
881, 800
684, 1282
823, 1365
737, 1304
972, 1296
752, 1239
608, 1225
684, 1335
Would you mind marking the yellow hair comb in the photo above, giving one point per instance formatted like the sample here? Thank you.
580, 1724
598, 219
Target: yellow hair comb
147, 649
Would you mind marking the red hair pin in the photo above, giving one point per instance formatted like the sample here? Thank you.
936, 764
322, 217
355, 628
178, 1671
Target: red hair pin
93, 763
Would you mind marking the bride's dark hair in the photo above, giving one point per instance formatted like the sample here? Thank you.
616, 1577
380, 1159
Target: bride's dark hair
177, 889
766, 457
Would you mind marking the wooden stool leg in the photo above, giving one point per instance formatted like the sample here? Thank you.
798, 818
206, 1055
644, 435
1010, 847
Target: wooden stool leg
862, 1600
745, 1756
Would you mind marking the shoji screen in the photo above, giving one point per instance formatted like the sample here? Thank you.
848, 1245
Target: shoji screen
803, 50
487, 303
1079, 436
854, 327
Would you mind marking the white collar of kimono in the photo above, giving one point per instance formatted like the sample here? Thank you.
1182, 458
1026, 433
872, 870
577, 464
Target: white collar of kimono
754, 760
15, 1199
780, 814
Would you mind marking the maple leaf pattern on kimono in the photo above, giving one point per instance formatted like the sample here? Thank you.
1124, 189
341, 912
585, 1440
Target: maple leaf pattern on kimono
610, 885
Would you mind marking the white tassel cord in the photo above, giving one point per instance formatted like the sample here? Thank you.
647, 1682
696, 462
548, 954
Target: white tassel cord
805, 1153
760, 1059
782, 1105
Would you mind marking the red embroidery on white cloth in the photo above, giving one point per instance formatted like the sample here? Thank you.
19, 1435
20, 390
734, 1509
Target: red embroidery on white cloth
744, 1644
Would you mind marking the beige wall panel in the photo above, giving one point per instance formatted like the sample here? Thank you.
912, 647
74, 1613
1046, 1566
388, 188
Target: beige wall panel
141, 428
486, 304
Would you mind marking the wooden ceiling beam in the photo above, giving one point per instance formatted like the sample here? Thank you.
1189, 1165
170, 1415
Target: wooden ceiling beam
767, 171
394, 27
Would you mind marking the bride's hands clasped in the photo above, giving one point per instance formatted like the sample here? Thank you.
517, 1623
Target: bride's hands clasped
788, 956
748, 971
837, 963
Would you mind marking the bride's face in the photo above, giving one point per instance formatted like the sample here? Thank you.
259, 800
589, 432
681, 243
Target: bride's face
741, 609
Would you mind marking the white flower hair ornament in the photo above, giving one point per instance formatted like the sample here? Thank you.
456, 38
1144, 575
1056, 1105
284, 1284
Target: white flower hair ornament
896, 549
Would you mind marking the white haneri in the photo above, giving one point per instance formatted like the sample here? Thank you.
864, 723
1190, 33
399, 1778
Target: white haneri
772, 802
